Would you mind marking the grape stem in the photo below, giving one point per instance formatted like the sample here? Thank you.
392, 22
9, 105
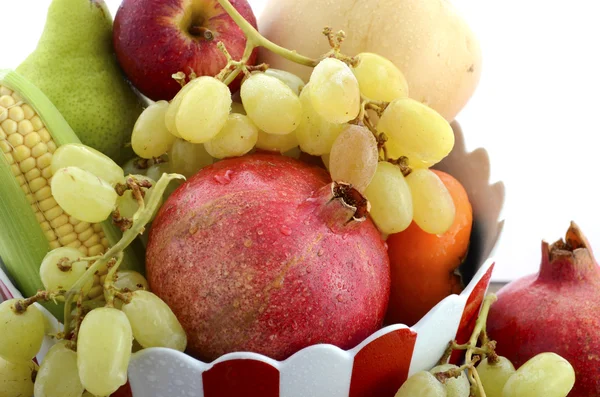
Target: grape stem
257, 40
109, 294
141, 218
21, 306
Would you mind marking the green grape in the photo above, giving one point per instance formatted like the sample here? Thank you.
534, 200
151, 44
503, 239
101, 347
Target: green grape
417, 132
22, 333
494, 376
131, 280
421, 384
131, 167
203, 110
276, 143
58, 375
334, 93
150, 137
63, 278
127, 205
16, 379
391, 200
546, 374
379, 79
170, 115
433, 207
88, 159
271, 104
186, 158
290, 79
155, 171
153, 322
103, 350
83, 195
455, 387
354, 157
236, 138
315, 134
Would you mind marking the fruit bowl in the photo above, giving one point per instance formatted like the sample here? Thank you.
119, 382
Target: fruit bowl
375, 367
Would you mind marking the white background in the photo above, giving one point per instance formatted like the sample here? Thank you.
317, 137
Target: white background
535, 111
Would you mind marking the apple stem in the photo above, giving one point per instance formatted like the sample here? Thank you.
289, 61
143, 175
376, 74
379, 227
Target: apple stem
201, 32
257, 40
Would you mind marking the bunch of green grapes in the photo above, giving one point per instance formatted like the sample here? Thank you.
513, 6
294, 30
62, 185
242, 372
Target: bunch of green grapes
94, 349
546, 374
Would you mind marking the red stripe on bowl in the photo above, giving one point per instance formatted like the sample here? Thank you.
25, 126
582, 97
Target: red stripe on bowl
469, 317
235, 378
382, 366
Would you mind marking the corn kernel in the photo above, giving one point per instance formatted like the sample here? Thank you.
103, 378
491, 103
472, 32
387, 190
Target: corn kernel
37, 184
44, 161
16, 113
5, 91
9, 126
47, 172
28, 111
86, 234
3, 113
5, 146
65, 229
96, 291
9, 158
79, 226
43, 194
15, 169
69, 238
25, 190
97, 227
6, 101
22, 152
103, 278
30, 200
21, 180
95, 250
44, 134
50, 235
75, 244
17, 97
40, 149
37, 124
27, 165
96, 279
48, 205
33, 174
95, 239
59, 221
51, 146
25, 127
104, 242
54, 244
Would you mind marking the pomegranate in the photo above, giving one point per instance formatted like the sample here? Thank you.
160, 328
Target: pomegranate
556, 310
264, 253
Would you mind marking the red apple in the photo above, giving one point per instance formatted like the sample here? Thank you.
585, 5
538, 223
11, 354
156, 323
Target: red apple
153, 39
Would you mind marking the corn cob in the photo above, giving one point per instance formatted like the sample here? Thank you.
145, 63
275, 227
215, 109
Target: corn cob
31, 222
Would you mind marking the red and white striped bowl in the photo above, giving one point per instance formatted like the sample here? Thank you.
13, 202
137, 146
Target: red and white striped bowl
375, 368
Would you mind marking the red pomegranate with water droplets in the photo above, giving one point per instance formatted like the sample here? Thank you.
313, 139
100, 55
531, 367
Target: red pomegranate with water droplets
264, 253
556, 310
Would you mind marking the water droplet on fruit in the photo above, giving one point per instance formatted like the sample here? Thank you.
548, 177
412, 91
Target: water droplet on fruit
340, 298
321, 252
225, 178
286, 231
259, 232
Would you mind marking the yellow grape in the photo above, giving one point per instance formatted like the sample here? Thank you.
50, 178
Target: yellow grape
494, 376
16, 379
170, 115
546, 374
271, 104
289, 79
203, 109
54, 278
58, 375
455, 387
354, 157
379, 79
131, 280
417, 132
315, 134
334, 92
83, 195
187, 158
127, 205
237, 137
154, 172
22, 333
391, 201
150, 136
276, 143
153, 322
103, 350
421, 384
433, 207
88, 159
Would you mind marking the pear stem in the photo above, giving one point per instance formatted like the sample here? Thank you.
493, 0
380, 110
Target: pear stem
257, 40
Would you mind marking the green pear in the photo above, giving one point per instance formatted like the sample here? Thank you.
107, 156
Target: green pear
75, 66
